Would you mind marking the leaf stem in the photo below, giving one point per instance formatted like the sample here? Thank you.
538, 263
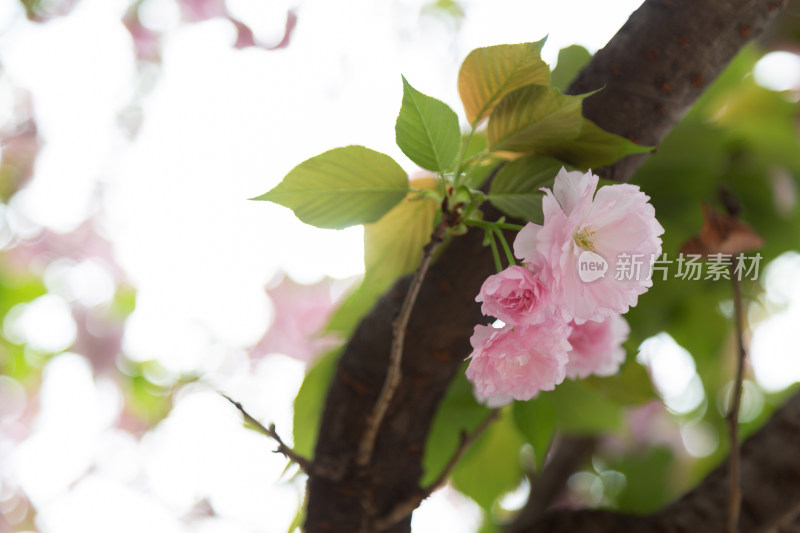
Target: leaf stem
493, 232
498, 265
394, 373
504, 243
509, 226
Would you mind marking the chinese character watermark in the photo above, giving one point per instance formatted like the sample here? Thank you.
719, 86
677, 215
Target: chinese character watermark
715, 267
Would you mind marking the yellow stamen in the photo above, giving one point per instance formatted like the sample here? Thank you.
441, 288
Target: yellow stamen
583, 239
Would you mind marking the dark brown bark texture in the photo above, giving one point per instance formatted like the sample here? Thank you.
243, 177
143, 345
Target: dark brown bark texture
652, 70
660, 61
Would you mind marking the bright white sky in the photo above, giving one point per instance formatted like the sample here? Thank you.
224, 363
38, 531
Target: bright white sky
220, 126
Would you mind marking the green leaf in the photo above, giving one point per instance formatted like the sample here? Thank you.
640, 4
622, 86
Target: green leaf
354, 307
582, 410
427, 130
515, 189
476, 143
536, 420
488, 74
310, 401
630, 386
535, 119
594, 147
648, 482
491, 466
393, 245
392, 248
341, 187
570, 62
478, 168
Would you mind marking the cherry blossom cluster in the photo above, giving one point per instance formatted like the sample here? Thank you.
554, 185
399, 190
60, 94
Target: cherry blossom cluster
558, 319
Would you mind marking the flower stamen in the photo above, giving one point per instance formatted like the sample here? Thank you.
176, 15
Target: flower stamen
583, 239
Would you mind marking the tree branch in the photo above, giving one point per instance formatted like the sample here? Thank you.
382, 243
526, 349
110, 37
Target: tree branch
659, 63
304, 464
733, 413
568, 455
394, 373
437, 342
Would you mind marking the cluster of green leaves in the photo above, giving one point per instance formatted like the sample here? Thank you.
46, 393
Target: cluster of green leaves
531, 130
529, 120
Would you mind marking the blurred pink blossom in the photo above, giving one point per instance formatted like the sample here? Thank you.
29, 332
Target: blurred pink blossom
84, 242
199, 10
649, 425
301, 313
597, 347
20, 147
99, 337
146, 42
516, 362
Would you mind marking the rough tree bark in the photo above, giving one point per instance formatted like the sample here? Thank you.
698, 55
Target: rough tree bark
660, 61
652, 70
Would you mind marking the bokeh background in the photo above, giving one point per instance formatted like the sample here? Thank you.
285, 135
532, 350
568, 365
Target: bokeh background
137, 280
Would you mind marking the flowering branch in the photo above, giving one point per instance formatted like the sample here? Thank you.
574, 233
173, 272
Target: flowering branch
630, 107
394, 373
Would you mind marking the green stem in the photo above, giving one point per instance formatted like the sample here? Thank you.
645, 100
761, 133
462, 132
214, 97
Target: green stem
506, 248
498, 265
478, 224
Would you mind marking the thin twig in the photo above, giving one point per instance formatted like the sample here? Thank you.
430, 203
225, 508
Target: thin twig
304, 464
733, 414
394, 373
405, 508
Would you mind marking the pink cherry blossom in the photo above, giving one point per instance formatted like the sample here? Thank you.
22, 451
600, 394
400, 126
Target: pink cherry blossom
516, 362
597, 347
301, 313
618, 224
515, 296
